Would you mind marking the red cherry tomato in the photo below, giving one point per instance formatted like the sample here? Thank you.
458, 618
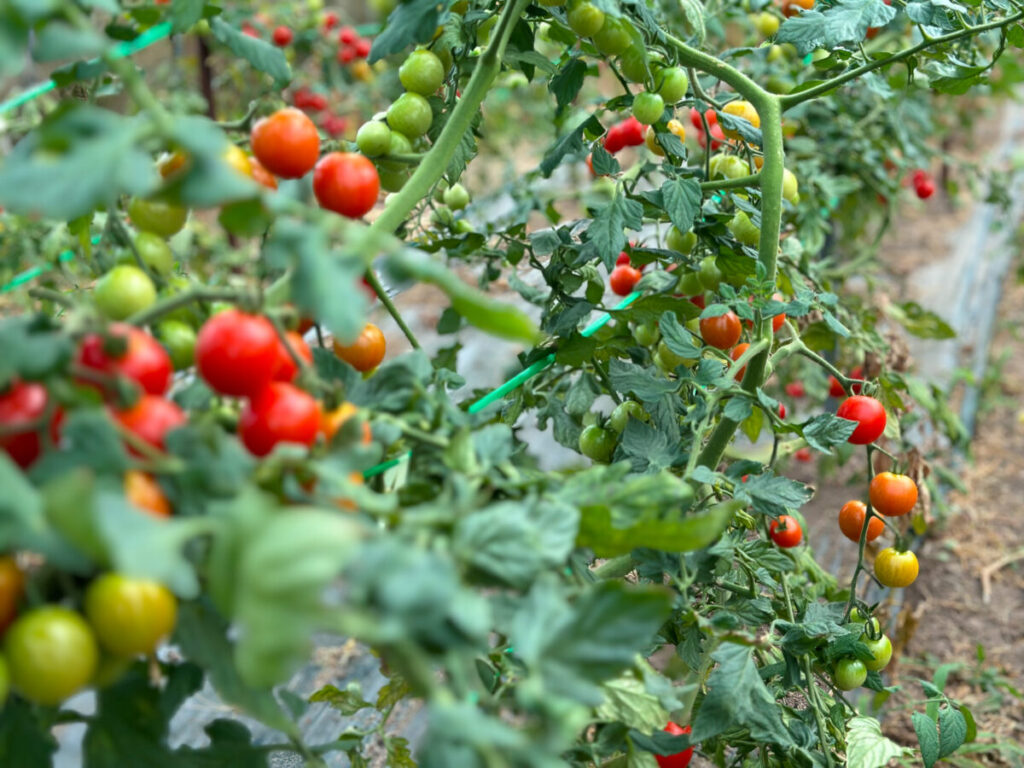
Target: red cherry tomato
851, 521
803, 454
722, 331
286, 143
786, 531
347, 36
280, 413
869, 415
142, 358
679, 759
330, 21
632, 131
857, 373
282, 36
362, 47
891, 494
835, 389
151, 418
795, 389
613, 141
346, 183
261, 175
623, 279
736, 354
236, 353
23, 404
782, 410
925, 189
624, 259
286, 368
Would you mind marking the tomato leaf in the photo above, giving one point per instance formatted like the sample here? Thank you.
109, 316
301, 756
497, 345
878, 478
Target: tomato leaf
571, 142
25, 741
627, 701
606, 235
952, 730
630, 378
772, 494
866, 747
565, 85
59, 40
845, 22
921, 322
413, 21
927, 731
348, 702
738, 698
827, 430
678, 340
259, 53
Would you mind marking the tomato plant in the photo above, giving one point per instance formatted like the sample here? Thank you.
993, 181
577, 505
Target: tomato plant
185, 217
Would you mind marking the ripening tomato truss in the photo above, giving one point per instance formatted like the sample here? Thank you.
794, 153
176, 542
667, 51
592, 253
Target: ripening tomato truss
254, 390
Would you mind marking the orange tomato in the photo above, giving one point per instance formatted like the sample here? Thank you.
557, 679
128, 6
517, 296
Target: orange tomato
892, 494
851, 521
331, 422
143, 491
366, 352
12, 587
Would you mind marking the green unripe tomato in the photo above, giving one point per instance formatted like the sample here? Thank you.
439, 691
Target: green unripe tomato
724, 166
850, 674
463, 227
422, 72
613, 37
179, 339
51, 653
456, 197
682, 242
394, 175
648, 108
410, 114
597, 443
767, 23
790, 186
710, 274
820, 54
857, 618
154, 252
646, 334
743, 229
123, 291
671, 83
784, 51
671, 359
778, 84
881, 649
620, 416
441, 216
374, 138
690, 284
483, 32
634, 64
586, 19
662, 365
160, 218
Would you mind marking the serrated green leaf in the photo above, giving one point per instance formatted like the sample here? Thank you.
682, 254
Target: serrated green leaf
827, 430
261, 54
606, 232
952, 730
866, 747
927, 738
845, 22
686, 533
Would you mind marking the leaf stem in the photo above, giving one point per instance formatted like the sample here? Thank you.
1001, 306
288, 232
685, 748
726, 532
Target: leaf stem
171, 303
389, 305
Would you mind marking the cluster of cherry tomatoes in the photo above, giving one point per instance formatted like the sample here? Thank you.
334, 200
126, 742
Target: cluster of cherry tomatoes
924, 185
50, 651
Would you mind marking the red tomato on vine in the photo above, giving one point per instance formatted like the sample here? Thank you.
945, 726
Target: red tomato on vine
679, 759
891, 494
151, 418
366, 352
287, 370
22, 406
623, 279
721, 332
237, 353
786, 531
869, 415
142, 358
286, 143
280, 413
851, 521
346, 183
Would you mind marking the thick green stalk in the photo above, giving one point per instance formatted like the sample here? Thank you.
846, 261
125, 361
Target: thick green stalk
435, 162
770, 110
792, 100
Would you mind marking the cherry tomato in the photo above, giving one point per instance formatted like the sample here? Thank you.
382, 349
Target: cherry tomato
151, 418
129, 616
671, 83
766, 23
586, 19
410, 114
744, 230
237, 353
286, 143
164, 219
925, 189
12, 587
679, 759
422, 72
346, 183
795, 389
23, 404
123, 291
623, 279
896, 569
282, 36
710, 274
717, 137
782, 410
623, 258
632, 132
374, 138
648, 108
646, 334
786, 531
835, 389
332, 421
891, 494
366, 352
881, 649
179, 339
851, 521
623, 412
850, 674
793, 7
633, 64
52, 653
723, 166
736, 353
279, 413
857, 618
613, 38
683, 242
456, 197
286, 368
744, 110
790, 186
347, 35
597, 443
803, 454
869, 415
143, 491
154, 252
721, 332
130, 352
261, 175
